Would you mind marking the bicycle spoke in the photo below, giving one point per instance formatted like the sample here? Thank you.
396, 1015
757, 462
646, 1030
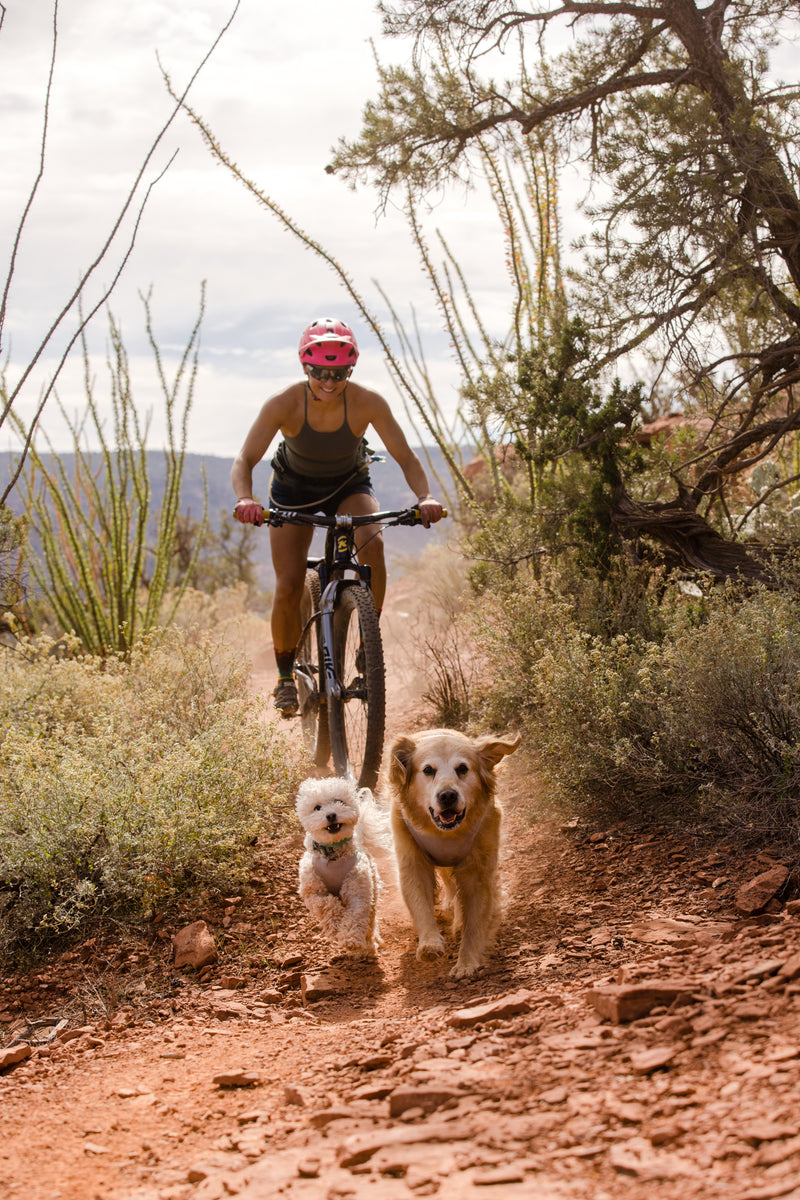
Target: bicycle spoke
357, 716
349, 724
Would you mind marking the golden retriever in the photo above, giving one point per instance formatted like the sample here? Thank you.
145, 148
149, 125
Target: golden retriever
446, 824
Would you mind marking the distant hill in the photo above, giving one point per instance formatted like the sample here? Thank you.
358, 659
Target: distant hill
390, 487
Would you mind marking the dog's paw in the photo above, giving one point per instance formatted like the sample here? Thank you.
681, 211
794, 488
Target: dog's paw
354, 949
428, 950
464, 969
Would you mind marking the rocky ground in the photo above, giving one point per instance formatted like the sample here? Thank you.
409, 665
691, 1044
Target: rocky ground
637, 1034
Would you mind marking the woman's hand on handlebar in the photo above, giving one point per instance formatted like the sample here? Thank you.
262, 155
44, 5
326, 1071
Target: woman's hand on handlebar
249, 512
430, 511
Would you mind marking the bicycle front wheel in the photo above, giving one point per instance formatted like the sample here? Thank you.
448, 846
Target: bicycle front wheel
308, 674
357, 717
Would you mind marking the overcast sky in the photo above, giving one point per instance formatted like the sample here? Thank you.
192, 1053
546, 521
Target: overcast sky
284, 84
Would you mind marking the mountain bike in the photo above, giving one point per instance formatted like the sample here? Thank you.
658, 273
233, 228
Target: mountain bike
339, 668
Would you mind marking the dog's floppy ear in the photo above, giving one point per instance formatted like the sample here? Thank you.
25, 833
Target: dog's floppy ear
302, 792
400, 761
491, 749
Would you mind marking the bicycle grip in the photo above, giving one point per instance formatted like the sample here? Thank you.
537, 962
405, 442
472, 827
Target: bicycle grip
265, 515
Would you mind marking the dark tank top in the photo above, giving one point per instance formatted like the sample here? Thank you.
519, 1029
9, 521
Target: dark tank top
315, 453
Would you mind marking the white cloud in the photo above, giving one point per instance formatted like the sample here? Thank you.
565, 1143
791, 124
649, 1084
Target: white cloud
282, 87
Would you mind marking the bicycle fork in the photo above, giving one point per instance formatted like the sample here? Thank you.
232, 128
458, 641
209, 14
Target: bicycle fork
333, 685
329, 684
327, 605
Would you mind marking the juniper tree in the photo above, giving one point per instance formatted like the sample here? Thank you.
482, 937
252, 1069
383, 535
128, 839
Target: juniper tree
688, 136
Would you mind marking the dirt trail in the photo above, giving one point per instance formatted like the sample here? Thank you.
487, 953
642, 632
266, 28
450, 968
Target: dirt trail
555, 1073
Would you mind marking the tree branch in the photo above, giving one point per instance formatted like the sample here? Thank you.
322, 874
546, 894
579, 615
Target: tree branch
100, 257
32, 194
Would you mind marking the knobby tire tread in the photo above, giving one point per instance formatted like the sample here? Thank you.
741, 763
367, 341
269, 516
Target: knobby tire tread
357, 720
315, 723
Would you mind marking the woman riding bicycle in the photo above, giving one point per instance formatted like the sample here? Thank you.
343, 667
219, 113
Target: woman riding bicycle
321, 466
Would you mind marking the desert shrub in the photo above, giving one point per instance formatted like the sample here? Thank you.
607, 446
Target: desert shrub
96, 571
701, 725
13, 544
124, 784
448, 688
513, 623
733, 687
512, 552
446, 644
226, 612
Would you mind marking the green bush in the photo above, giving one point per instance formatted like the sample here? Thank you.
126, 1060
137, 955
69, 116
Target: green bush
13, 546
123, 784
700, 726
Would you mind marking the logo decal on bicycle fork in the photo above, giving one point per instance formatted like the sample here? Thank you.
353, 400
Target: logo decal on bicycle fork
331, 682
332, 686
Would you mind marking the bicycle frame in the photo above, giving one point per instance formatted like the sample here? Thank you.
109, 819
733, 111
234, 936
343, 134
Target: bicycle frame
339, 666
340, 556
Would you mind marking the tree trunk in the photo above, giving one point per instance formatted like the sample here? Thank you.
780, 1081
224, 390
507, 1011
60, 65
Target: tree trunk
697, 547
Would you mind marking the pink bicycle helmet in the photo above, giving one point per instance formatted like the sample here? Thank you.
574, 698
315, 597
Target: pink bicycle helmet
328, 342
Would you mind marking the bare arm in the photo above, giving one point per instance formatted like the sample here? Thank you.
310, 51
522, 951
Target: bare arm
267, 424
393, 438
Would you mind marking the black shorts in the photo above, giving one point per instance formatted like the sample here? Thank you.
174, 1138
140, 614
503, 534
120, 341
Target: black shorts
301, 492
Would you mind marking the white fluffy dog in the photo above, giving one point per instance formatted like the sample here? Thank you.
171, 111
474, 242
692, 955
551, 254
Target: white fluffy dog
339, 880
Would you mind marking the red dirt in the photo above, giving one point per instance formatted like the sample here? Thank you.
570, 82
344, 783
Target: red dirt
386, 1088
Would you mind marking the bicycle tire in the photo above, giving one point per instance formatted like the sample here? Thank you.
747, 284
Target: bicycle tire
313, 711
357, 719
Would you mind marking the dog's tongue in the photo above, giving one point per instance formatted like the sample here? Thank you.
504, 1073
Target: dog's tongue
448, 818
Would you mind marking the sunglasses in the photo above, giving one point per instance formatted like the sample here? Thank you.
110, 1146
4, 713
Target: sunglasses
337, 374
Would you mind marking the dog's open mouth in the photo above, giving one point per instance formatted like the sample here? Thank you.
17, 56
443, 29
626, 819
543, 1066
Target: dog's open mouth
333, 826
449, 818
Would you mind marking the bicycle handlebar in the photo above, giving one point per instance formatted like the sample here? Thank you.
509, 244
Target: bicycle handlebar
402, 516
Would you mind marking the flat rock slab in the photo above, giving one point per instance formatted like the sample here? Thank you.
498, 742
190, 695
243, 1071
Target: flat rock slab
665, 929
14, 1055
644, 1062
224, 1010
791, 968
427, 1098
494, 1010
362, 1147
243, 1077
628, 1002
324, 984
194, 946
337, 1112
757, 893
